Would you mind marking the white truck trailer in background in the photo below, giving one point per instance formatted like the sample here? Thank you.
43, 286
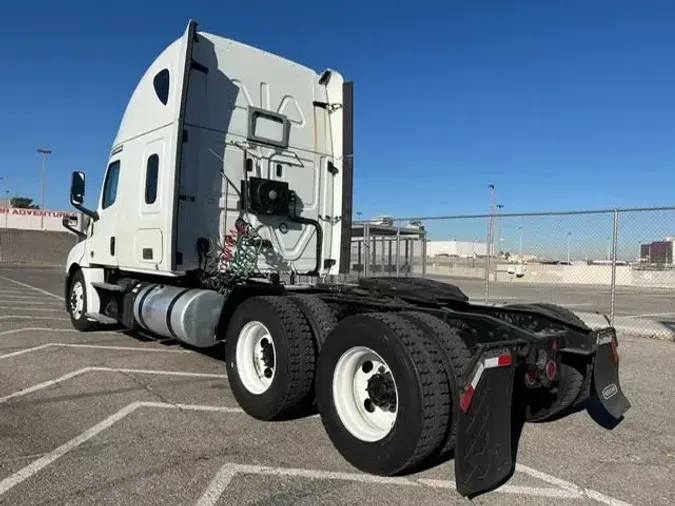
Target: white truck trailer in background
230, 179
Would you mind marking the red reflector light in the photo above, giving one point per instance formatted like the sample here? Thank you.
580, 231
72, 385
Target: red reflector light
530, 377
551, 369
503, 360
554, 347
466, 400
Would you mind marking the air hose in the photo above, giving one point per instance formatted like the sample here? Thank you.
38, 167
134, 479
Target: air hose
293, 199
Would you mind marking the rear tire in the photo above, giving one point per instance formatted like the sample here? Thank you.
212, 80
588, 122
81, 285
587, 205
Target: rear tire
270, 358
382, 393
320, 316
458, 357
575, 375
583, 365
77, 304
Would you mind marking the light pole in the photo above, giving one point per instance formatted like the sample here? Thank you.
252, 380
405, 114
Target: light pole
499, 228
44, 152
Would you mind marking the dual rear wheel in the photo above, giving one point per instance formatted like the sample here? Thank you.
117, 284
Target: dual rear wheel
384, 384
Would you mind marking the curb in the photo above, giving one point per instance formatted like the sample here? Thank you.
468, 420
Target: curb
637, 327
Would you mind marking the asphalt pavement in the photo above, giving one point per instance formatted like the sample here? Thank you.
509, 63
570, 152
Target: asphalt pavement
114, 418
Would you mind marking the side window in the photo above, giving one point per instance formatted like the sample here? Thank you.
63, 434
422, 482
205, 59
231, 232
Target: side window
161, 85
151, 176
110, 186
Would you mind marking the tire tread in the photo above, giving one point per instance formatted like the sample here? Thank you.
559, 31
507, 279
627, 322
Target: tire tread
301, 362
448, 336
428, 361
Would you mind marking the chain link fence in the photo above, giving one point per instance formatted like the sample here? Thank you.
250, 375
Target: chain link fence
617, 263
614, 265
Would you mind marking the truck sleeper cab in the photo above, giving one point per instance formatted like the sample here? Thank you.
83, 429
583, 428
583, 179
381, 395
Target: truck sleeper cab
229, 181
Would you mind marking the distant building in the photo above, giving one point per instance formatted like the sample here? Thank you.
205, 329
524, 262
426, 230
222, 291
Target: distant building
461, 249
657, 252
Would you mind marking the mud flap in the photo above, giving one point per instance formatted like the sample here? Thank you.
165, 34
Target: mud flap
483, 453
606, 375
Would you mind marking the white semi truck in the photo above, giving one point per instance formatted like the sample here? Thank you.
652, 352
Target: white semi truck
229, 182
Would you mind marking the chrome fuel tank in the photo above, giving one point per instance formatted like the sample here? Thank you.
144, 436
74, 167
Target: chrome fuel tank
189, 315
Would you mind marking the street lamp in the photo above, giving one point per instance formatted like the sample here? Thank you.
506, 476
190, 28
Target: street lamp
44, 152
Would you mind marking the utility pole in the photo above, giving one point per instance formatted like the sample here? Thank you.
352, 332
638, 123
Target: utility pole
44, 152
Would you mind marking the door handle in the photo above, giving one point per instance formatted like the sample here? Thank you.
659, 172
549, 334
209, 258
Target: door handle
112, 246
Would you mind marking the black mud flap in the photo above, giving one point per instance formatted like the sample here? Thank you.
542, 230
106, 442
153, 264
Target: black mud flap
483, 454
606, 375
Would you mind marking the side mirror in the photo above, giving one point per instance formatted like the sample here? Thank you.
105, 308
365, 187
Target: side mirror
77, 195
77, 188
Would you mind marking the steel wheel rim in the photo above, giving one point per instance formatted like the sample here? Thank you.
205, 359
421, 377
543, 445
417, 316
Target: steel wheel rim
77, 300
360, 412
256, 357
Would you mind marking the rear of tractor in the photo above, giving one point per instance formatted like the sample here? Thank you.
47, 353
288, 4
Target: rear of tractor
405, 373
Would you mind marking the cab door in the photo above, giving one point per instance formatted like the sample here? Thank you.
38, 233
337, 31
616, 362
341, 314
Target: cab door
103, 242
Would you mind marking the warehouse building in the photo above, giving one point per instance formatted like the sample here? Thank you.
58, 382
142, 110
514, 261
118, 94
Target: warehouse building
461, 249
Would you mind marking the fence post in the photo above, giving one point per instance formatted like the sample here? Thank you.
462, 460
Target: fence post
615, 235
488, 258
424, 254
398, 249
366, 248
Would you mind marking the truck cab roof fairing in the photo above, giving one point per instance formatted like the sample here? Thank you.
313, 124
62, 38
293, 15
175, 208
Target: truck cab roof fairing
151, 106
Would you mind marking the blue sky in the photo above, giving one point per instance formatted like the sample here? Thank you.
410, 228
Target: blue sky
562, 105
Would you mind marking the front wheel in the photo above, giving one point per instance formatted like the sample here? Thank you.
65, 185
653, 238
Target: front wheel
77, 304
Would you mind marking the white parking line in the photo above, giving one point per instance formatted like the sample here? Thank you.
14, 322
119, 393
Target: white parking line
50, 329
223, 478
32, 308
29, 300
23, 294
89, 347
554, 493
26, 317
41, 463
26, 285
46, 384
226, 473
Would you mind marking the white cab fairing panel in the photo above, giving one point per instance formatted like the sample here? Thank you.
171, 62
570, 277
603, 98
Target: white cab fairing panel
218, 125
165, 210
